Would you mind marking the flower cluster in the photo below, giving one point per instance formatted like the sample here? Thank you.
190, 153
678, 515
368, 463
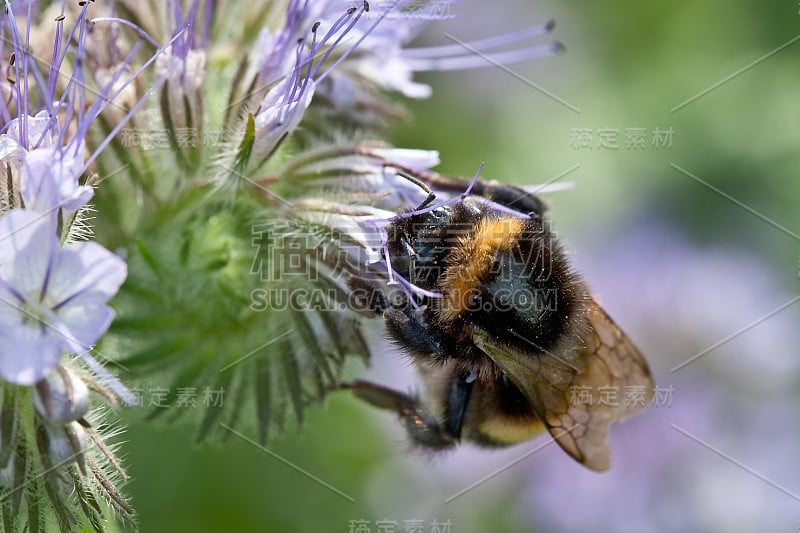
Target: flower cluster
211, 138
57, 468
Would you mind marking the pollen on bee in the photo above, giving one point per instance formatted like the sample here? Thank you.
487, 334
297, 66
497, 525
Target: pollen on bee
472, 259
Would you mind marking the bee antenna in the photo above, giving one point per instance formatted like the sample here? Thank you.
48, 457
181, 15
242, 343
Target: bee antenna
419, 183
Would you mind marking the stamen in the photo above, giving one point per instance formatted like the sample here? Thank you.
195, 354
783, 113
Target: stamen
96, 109
482, 45
142, 34
338, 24
477, 60
474, 180
364, 36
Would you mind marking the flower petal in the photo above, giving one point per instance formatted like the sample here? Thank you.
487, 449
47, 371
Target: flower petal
83, 273
82, 325
11, 152
28, 352
49, 180
39, 130
28, 245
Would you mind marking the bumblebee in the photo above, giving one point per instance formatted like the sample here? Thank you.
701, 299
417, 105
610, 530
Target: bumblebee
506, 335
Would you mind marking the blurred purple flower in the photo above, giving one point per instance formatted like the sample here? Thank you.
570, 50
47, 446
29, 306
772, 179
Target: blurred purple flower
740, 398
736, 396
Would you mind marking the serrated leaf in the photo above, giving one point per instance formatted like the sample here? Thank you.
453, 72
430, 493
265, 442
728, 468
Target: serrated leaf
212, 414
149, 258
189, 376
263, 396
304, 333
291, 376
245, 149
8, 424
87, 501
158, 355
334, 332
235, 399
21, 477
34, 524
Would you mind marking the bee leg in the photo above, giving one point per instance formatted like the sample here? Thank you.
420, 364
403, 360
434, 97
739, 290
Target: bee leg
422, 425
501, 193
457, 400
366, 296
514, 197
404, 327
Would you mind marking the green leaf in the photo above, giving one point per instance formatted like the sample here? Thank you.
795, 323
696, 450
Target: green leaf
245, 150
291, 376
263, 396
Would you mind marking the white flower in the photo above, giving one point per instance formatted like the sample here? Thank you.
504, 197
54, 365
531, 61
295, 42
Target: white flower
52, 299
38, 130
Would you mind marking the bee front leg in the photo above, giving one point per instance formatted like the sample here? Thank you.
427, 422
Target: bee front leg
422, 425
366, 296
412, 334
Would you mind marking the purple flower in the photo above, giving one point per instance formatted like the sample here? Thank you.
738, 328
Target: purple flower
52, 298
49, 181
291, 92
280, 113
366, 169
378, 52
40, 132
344, 46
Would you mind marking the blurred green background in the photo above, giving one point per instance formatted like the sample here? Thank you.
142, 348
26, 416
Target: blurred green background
680, 266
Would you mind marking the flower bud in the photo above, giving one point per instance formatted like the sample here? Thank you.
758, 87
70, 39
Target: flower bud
67, 444
185, 73
61, 397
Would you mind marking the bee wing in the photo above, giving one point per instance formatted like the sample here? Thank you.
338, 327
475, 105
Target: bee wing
579, 394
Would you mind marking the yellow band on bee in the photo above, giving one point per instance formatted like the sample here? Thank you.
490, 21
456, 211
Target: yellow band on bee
470, 261
507, 430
